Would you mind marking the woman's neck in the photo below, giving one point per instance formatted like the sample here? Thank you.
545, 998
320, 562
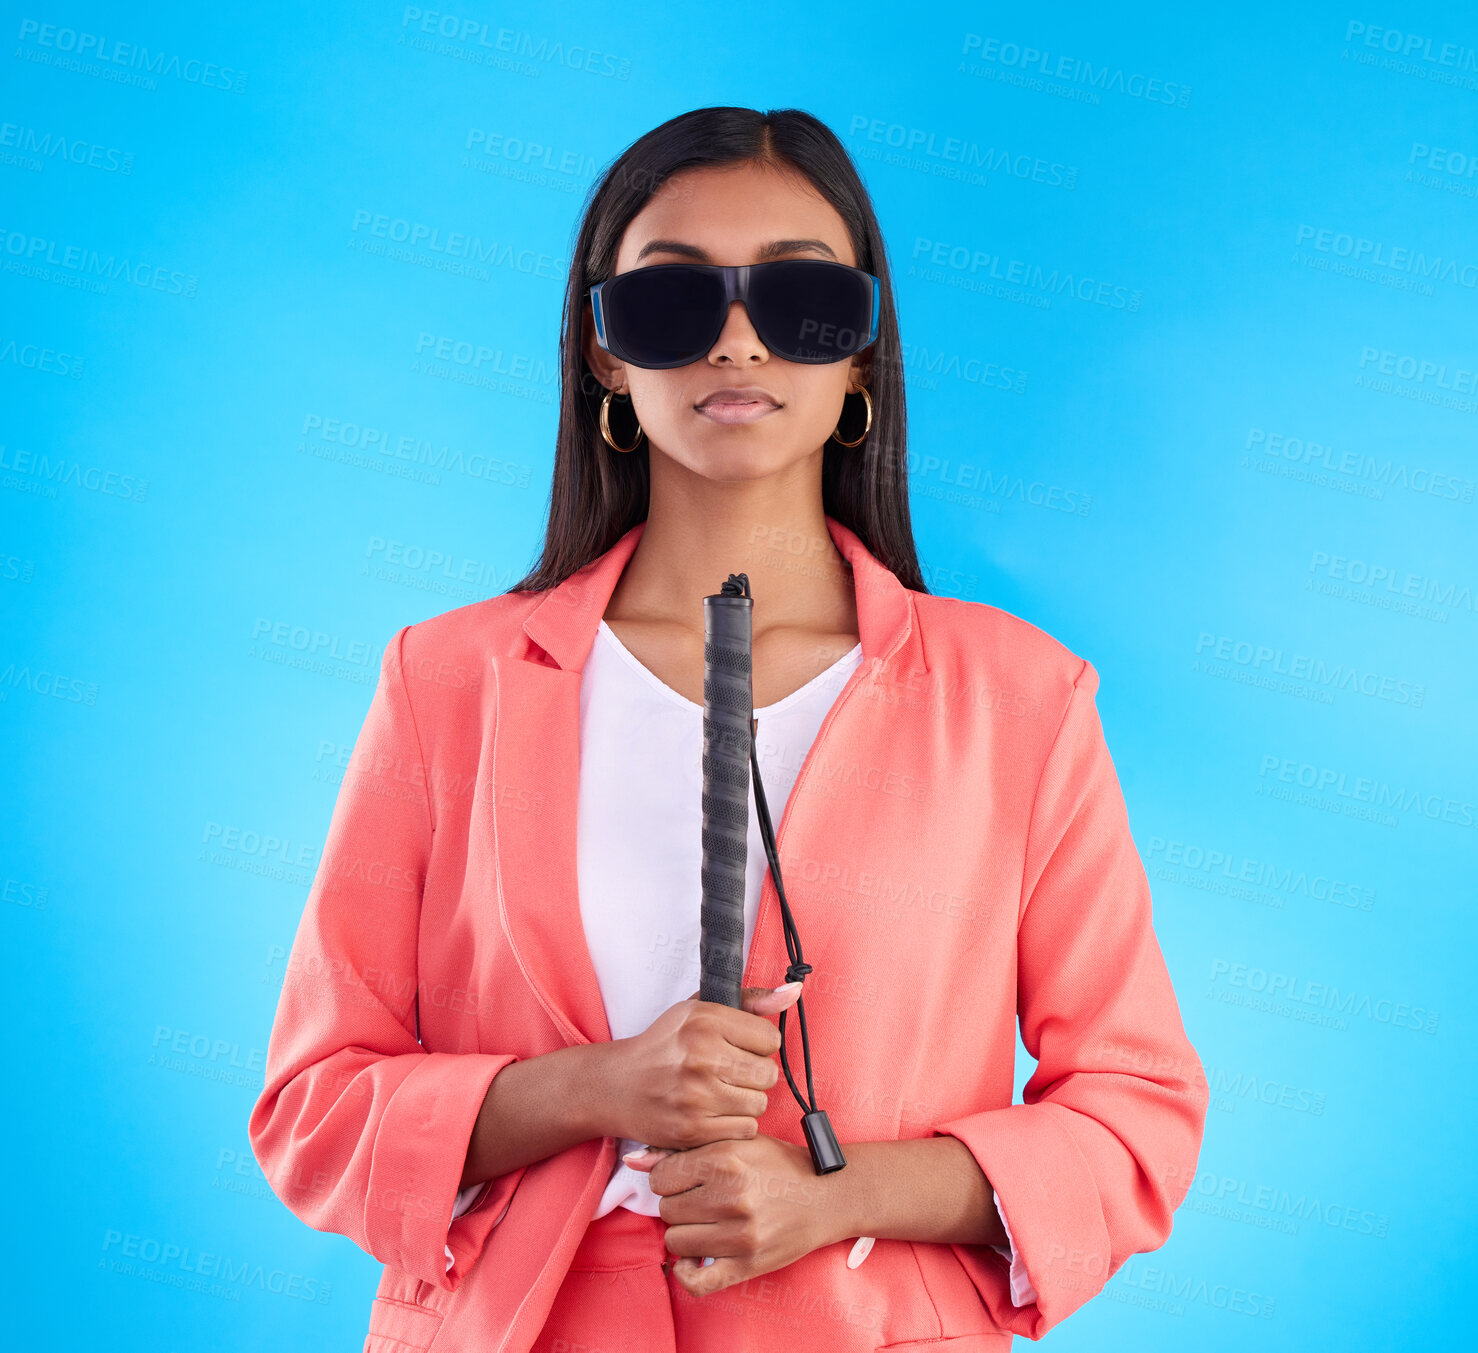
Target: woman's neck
798, 578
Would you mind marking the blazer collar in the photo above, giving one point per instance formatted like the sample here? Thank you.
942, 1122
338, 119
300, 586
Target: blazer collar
565, 622
536, 771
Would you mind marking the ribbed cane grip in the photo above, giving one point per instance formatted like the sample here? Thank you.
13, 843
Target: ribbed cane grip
728, 712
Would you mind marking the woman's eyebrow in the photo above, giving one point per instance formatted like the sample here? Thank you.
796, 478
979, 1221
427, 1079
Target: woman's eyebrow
773, 249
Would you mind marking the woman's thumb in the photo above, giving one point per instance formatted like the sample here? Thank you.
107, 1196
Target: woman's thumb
765, 1001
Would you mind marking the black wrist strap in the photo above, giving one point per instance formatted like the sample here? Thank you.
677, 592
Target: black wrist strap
826, 1152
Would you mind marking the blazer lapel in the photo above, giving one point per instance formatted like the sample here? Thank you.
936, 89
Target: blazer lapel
536, 775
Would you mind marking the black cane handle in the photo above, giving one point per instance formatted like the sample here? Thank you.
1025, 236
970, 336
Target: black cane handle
728, 724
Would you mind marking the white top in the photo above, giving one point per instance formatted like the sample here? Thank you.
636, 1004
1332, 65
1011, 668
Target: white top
640, 845
639, 850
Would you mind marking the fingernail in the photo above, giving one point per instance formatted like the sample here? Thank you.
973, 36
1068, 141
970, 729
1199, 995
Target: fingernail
631, 1157
788, 988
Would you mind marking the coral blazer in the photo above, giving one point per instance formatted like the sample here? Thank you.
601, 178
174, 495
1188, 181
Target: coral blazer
958, 857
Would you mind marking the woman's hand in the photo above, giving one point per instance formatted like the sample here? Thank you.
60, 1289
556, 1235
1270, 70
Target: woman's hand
753, 1206
699, 1074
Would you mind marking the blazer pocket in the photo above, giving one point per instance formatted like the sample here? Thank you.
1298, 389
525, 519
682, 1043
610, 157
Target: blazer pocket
964, 1322
397, 1326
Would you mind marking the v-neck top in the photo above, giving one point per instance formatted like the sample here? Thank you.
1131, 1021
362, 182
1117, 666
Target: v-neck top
639, 841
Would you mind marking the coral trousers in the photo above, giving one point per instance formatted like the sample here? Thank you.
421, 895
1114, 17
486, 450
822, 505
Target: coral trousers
618, 1297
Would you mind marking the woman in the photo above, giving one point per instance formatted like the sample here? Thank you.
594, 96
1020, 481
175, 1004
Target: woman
484, 1006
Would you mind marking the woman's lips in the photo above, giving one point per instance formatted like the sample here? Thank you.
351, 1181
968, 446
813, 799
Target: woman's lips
737, 411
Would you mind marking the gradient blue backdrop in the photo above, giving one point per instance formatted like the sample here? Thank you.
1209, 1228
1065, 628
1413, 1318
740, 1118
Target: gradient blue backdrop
1241, 442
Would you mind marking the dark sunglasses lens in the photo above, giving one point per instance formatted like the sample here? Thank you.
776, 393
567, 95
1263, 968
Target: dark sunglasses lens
663, 316
811, 311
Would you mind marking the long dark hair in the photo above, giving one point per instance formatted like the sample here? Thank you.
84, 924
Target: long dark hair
597, 495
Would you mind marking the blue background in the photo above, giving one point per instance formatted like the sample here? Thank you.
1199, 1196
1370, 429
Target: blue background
170, 498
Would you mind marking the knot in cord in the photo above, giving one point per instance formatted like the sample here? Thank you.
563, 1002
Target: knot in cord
797, 971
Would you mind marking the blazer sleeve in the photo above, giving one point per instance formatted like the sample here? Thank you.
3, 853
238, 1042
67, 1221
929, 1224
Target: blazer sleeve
359, 1129
1102, 1149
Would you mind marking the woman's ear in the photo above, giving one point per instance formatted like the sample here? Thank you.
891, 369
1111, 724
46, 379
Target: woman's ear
608, 370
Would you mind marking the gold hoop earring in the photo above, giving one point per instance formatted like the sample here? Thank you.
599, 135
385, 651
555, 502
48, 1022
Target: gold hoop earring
862, 390
605, 426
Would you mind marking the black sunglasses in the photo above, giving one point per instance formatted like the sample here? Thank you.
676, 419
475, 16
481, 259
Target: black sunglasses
803, 309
